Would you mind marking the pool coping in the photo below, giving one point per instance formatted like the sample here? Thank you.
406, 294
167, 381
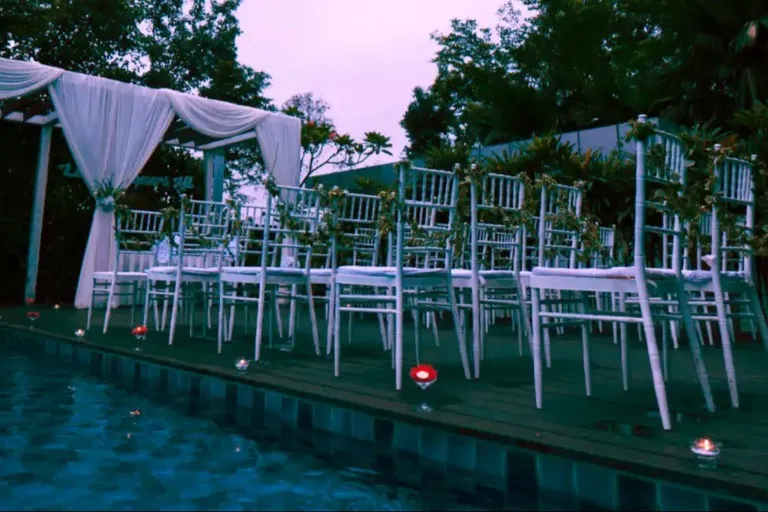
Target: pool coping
703, 483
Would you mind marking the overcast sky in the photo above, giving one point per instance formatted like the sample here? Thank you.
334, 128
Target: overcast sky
362, 57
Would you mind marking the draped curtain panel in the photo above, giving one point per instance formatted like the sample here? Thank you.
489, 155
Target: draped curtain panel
19, 78
112, 128
280, 142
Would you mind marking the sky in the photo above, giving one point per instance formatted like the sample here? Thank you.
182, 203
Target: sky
364, 58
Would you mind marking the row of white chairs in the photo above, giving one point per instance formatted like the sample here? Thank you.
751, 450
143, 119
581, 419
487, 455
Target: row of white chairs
265, 255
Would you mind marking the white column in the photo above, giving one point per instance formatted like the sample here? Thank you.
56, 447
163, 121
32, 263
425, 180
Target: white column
214, 164
219, 164
38, 207
208, 169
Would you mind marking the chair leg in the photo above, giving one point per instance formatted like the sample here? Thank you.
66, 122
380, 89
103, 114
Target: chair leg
476, 327
582, 306
220, 326
460, 333
313, 317
260, 316
622, 300
108, 313
536, 346
330, 312
336, 329
416, 328
655, 363
90, 308
757, 311
397, 352
695, 343
149, 285
725, 339
174, 311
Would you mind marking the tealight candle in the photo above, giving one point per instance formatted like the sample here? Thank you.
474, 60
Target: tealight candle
56, 306
706, 452
80, 333
242, 365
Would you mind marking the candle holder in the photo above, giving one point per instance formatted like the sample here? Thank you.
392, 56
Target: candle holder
242, 365
32, 315
140, 333
424, 375
80, 333
706, 452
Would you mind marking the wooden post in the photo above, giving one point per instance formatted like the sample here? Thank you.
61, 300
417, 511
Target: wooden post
219, 163
208, 168
214, 163
38, 208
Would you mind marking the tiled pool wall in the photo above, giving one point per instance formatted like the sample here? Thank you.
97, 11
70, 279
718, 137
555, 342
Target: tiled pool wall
466, 464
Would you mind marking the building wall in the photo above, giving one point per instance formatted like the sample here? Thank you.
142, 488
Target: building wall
604, 139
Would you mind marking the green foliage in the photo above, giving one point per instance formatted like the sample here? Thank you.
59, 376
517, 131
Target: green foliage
580, 64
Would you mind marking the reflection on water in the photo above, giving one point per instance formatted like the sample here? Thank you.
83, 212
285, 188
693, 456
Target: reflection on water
71, 442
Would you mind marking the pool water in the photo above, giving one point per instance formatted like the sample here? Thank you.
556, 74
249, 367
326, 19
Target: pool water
69, 441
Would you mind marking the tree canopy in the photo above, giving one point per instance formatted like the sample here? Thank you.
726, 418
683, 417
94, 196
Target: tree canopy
581, 63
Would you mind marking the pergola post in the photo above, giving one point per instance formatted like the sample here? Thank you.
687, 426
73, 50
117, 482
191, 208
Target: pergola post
214, 163
38, 208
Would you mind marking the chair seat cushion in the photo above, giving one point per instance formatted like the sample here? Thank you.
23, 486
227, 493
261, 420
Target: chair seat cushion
355, 270
121, 276
276, 271
697, 276
190, 271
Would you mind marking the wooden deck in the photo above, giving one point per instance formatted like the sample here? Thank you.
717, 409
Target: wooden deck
613, 427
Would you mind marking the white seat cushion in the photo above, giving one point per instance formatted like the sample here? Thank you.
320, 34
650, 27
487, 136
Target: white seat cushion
697, 276
120, 275
354, 270
191, 271
276, 271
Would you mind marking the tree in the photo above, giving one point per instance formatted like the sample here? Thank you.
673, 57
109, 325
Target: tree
577, 64
322, 145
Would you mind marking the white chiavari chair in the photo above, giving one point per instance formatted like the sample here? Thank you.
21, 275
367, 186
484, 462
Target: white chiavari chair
200, 245
495, 254
427, 202
137, 236
284, 244
638, 280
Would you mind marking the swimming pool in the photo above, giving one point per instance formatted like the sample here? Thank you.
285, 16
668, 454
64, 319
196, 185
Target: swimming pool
69, 441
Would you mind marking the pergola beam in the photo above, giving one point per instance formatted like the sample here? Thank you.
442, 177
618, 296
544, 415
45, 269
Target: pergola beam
37, 109
18, 105
228, 142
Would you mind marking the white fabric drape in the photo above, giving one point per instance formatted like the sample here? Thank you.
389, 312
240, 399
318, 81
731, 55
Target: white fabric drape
280, 142
18, 78
112, 128
214, 118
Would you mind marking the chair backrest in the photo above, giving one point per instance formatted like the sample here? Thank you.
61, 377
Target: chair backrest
138, 235
292, 217
249, 229
733, 210
660, 161
427, 205
558, 243
204, 233
498, 243
357, 216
